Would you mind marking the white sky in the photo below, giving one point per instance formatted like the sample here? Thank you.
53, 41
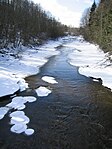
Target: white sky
68, 12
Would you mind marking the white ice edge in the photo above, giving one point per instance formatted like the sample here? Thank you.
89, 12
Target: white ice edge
92, 62
13, 71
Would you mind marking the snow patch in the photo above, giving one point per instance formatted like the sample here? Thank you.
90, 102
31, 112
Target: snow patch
49, 79
43, 91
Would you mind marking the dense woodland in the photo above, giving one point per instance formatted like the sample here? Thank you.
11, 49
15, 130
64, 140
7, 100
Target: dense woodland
22, 21
96, 24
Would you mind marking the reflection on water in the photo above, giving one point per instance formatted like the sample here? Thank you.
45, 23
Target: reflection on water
76, 115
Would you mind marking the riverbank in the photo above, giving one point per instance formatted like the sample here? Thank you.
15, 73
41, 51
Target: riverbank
92, 62
27, 62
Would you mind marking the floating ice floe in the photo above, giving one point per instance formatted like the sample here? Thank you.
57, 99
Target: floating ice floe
30, 99
19, 128
49, 79
43, 91
29, 131
19, 117
19, 121
3, 112
19, 102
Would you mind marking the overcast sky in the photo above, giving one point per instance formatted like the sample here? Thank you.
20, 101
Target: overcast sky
68, 12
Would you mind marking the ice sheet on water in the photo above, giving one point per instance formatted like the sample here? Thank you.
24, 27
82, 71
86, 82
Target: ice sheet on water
49, 79
43, 91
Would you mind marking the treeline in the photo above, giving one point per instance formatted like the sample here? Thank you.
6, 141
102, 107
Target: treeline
22, 21
96, 24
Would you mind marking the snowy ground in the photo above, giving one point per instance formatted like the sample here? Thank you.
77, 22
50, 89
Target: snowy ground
27, 62
92, 61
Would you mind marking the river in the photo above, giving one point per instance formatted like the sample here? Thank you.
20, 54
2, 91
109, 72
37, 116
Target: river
76, 115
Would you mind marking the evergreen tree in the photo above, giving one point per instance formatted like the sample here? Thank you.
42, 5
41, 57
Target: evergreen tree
99, 28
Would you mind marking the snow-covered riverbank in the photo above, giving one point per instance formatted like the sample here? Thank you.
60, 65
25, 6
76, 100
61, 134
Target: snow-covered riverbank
92, 61
28, 61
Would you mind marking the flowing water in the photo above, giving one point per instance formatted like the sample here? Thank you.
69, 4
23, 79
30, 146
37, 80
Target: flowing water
76, 115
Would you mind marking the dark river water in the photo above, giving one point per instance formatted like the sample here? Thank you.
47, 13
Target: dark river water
76, 115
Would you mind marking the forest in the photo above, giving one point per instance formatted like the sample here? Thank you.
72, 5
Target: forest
96, 24
23, 22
